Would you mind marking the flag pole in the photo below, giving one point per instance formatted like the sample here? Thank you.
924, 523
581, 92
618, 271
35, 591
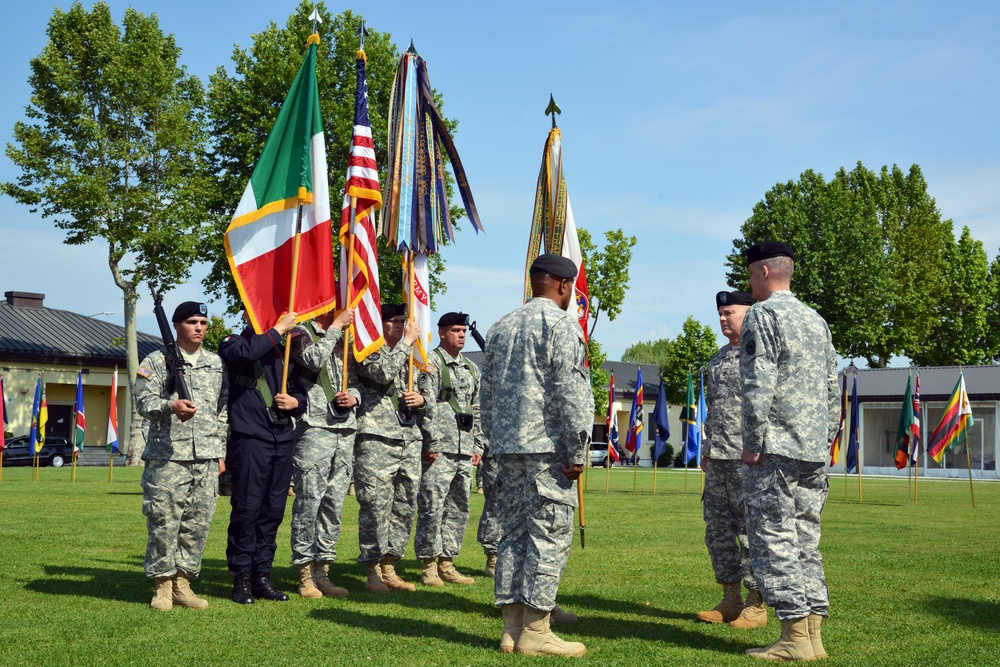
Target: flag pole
607, 468
968, 460
861, 494
579, 498
654, 477
635, 468
411, 268
349, 248
72, 438
296, 241
916, 468
586, 472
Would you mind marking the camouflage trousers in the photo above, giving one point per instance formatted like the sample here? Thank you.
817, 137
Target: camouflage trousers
178, 499
536, 514
322, 465
489, 522
443, 505
725, 522
386, 481
784, 499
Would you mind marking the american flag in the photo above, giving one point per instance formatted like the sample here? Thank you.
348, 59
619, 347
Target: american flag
362, 290
915, 426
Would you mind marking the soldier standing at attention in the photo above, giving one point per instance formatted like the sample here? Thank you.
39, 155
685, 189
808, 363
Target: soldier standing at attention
323, 460
259, 455
725, 523
538, 412
387, 451
184, 448
790, 415
449, 457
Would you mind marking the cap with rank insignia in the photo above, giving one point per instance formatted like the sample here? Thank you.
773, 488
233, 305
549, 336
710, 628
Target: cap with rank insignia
189, 308
733, 299
451, 319
767, 250
554, 265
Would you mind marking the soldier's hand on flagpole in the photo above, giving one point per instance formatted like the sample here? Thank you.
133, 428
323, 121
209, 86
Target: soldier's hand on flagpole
345, 400
750, 458
286, 323
183, 408
413, 399
476, 458
411, 332
574, 471
344, 318
286, 402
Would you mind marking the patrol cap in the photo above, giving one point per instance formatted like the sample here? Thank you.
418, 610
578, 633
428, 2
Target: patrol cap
451, 319
733, 299
189, 308
767, 250
554, 265
391, 310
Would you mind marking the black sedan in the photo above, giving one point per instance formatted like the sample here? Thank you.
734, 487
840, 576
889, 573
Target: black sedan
56, 452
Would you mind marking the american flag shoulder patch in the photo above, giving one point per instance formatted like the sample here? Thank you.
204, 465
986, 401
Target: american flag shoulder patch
143, 372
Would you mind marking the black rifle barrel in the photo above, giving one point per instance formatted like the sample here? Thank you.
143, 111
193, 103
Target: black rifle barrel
175, 368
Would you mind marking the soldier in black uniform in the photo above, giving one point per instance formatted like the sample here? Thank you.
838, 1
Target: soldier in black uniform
259, 455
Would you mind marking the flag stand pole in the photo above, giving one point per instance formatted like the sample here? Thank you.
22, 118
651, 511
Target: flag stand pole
34, 473
909, 483
1, 462
296, 240
861, 494
607, 469
586, 473
968, 460
111, 465
635, 469
72, 472
654, 477
349, 248
845, 480
916, 475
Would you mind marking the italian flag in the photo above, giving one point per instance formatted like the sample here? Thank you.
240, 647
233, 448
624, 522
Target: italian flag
280, 242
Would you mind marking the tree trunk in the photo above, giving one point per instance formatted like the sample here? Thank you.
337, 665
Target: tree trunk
136, 443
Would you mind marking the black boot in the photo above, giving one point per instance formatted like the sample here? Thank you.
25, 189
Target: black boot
263, 588
242, 590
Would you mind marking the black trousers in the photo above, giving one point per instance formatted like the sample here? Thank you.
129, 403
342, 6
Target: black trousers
262, 472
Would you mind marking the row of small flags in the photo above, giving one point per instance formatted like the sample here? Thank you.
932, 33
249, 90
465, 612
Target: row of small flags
692, 417
40, 416
951, 430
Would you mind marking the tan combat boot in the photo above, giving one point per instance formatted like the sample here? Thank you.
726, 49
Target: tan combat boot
320, 575
727, 610
307, 586
375, 583
389, 576
754, 614
429, 573
815, 637
182, 594
557, 615
793, 644
491, 565
538, 639
513, 624
447, 572
163, 597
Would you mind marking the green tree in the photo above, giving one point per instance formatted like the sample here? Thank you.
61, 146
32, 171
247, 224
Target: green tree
648, 352
993, 312
689, 352
870, 255
244, 105
114, 149
961, 335
600, 379
217, 330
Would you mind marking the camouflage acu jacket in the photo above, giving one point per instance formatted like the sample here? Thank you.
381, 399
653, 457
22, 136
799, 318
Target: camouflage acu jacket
724, 397
381, 376
310, 358
447, 437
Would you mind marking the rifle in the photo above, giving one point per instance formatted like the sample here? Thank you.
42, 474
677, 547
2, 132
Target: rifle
175, 369
475, 333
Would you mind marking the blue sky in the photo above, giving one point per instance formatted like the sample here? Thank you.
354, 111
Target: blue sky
677, 118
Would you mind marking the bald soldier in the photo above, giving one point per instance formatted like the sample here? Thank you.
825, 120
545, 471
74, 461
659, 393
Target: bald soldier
790, 415
184, 446
725, 524
538, 412
450, 454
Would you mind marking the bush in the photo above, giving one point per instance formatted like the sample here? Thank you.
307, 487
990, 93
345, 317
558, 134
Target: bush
666, 457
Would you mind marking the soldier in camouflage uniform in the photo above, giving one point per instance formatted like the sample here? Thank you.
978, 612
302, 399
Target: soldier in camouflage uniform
790, 416
538, 413
449, 456
387, 450
185, 443
488, 533
323, 459
725, 524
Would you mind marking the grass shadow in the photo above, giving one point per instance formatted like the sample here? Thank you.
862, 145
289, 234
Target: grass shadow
982, 614
402, 627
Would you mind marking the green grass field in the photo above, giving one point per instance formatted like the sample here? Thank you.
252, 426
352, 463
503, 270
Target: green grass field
910, 585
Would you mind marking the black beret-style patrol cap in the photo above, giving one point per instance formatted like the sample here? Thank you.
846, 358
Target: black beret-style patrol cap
451, 319
554, 265
733, 299
391, 310
189, 308
767, 250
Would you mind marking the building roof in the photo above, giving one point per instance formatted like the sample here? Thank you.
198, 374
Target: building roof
50, 335
936, 382
625, 375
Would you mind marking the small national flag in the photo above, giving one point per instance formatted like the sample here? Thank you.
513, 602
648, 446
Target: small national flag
420, 309
838, 440
955, 422
3, 416
702, 415
287, 203
611, 424
853, 442
112, 437
661, 424
79, 418
904, 433
634, 439
915, 427
361, 290
692, 429
39, 415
